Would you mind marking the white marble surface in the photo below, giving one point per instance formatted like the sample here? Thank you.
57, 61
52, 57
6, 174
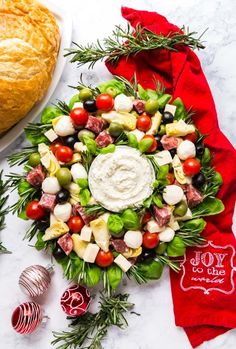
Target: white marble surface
155, 328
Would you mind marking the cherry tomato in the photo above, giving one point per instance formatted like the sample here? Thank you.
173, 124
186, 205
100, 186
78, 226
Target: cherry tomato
146, 217
104, 101
64, 154
150, 240
79, 116
34, 210
191, 167
144, 122
153, 147
54, 146
170, 177
192, 137
104, 259
75, 223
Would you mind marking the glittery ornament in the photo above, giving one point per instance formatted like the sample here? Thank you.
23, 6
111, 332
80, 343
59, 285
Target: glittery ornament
35, 280
75, 300
27, 317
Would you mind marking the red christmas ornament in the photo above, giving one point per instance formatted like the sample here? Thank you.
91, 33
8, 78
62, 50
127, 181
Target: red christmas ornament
27, 317
75, 300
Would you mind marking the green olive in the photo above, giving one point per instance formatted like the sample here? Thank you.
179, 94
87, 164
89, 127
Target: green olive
161, 248
151, 106
64, 176
162, 130
115, 129
85, 94
34, 159
85, 133
180, 209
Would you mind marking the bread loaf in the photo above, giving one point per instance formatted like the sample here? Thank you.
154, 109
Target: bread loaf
29, 44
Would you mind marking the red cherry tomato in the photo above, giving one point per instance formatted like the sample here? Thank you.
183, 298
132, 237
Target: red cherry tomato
191, 167
64, 154
192, 137
170, 177
144, 122
104, 259
75, 223
79, 116
146, 217
153, 147
54, 146
150, 240
34, 210
104, 101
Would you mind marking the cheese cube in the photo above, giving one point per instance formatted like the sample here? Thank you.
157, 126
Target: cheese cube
123, 263
173, 224
170, 108
86, 233
163, 157
188, 215
153, 227
51, 135
80, 147
139, 134
90, 253
77, 105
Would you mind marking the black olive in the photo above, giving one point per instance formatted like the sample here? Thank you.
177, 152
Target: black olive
70, 141
62, 196
167, 117
58, 252
43, 224
172, 152
200, 149
159, 145
198, 180
90, 105
148, 254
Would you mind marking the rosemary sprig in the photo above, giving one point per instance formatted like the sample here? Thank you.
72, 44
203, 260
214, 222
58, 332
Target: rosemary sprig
94, 209
86, 159
130, 86
135, 273
88, 331
122, 139
81, 84
124, 42
31, 232
174, 265
35, 132
62, 107
3, 209
22, 156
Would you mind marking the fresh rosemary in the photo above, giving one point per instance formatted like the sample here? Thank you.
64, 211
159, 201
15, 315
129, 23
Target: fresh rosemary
81, 84
174, 265
135, 273
88, 331
22, 156
125, 42
3, 209
62, 107
131, 87
122, 139
94, 209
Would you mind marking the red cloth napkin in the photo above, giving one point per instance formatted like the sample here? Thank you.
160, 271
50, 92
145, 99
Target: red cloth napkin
204, 292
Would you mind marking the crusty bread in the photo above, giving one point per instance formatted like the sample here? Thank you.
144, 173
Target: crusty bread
29, 44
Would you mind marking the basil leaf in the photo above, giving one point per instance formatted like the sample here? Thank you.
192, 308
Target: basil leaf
142, 93
163, 100
133, 142
176, 247
82, 182
196, 225
151, 269
130, 219
73, 100
71, 265
91, 145
115, 224
49, 113
147, 203
40, 244
157, 201
23, 187
114, 274
206, 157
35, 140
93, 275
84, 196
209, 206
151, 94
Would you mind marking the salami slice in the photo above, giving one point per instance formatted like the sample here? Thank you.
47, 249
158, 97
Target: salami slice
104, 139
139, 106
78, 209
169, 142
162, 215
94, 124
36, 176
66, 243
119, 245
48, 201
194, 197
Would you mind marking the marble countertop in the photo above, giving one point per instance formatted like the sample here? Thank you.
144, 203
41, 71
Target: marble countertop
155, 327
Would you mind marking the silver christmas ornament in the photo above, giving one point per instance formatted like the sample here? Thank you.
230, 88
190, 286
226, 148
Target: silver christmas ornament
35, 280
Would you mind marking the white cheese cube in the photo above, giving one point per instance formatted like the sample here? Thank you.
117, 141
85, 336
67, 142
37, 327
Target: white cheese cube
90, 253
45, 160
77, 105
53, 219
51, 135
86, 233
163, 157
123, 263
139, 134
170, 108
153, 227
188, 215
173, 224
80, 147
167, 235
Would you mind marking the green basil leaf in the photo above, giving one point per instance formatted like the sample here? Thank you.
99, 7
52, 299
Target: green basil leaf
180, 110
130, 219
163, 100
49, 113
176, 247
84, 196
115, 224
157, 201
35, 140
151, 94
114, 274
151, 269
73, 100
147, 203
82, 182
93, 275
91, 145
196, 225
206, 157
142, 93
40, 244
209, 206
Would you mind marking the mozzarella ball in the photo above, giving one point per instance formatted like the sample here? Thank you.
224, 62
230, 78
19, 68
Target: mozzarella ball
133, 238
51, 185
64, 126
63, 212
173, 194
153, 227
123, 103
167, 235
186, 150
78, 171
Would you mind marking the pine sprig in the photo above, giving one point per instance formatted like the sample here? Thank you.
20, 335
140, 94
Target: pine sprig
126, 42
88, 331
3, 209
22, 156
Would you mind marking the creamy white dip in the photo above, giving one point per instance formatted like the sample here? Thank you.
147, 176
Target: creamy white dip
121, 179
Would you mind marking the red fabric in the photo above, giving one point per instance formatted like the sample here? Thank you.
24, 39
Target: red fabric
203, 313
